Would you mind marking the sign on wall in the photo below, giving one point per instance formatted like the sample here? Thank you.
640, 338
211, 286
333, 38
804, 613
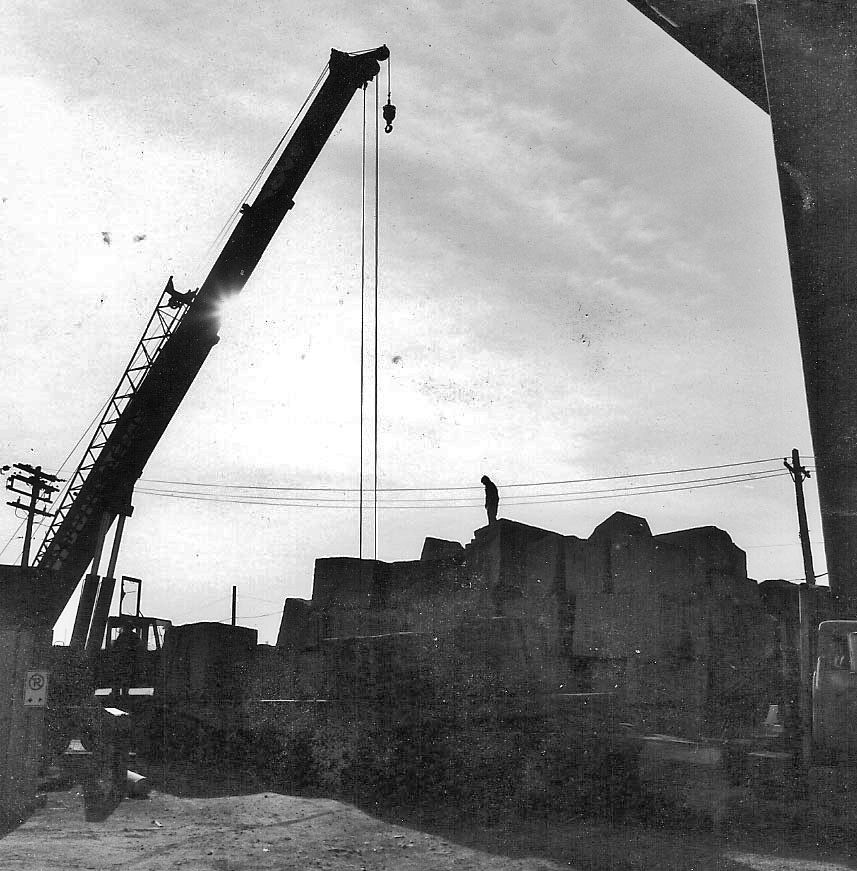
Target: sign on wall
35, 689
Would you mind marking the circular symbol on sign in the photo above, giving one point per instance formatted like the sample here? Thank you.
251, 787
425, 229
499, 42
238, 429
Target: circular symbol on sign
36, 681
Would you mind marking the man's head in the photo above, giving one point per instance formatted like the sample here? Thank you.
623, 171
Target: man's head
485, 479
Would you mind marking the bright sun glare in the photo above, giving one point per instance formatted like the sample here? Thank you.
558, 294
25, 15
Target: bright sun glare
226, 307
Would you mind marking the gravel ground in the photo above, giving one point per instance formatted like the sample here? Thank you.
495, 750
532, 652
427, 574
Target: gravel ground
267, 830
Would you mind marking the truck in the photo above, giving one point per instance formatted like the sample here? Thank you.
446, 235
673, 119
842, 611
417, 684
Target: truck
834, 693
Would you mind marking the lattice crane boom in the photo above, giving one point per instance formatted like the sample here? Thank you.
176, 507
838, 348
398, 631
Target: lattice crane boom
179, 337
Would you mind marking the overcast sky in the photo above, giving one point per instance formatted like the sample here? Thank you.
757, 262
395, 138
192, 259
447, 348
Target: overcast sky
583, 274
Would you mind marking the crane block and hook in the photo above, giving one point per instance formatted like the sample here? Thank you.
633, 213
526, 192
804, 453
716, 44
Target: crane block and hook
389, 112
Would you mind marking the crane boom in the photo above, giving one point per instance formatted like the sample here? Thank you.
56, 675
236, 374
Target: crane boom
119, 461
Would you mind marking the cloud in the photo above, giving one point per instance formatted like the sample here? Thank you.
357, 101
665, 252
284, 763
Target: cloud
574, 265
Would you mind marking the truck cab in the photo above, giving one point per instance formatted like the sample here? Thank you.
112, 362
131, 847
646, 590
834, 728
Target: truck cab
147, 668
834, 691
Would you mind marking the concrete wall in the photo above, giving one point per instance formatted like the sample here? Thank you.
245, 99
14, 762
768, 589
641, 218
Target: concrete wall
21, 727
670, 623
297, 625
25, 644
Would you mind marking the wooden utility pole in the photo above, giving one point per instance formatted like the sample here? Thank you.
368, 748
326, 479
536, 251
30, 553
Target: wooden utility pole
234, 603
806, 600
798, 473
38, 490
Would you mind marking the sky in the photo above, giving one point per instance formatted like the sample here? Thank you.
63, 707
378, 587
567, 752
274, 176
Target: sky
582, 274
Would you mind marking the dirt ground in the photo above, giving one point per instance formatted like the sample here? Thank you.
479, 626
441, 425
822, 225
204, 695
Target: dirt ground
211, 829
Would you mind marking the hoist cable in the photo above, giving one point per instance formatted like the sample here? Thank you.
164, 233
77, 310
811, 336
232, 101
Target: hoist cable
375, 475
362, 314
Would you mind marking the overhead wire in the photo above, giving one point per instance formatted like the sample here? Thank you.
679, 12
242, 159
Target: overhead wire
40, 521
14, 535
257, 616
259, 599
468, 502
795, 580
262, 495
441, 489
738, 478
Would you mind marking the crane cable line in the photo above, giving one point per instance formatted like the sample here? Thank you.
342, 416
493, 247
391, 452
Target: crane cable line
374, 322
362, 317
207, 258
375, 375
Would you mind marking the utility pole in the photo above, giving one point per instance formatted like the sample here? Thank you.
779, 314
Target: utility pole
38, 490
234, 604
799, 473
806, 602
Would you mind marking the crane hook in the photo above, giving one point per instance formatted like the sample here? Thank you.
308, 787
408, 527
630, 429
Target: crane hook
389, 112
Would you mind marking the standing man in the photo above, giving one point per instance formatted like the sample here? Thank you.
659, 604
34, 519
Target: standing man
492, 499
126, 649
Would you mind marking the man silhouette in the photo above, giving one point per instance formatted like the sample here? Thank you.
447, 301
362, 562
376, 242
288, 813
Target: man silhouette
126, 651
492, 499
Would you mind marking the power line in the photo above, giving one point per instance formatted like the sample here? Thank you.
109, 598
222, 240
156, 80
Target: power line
534, 499
424, 489
738, 478
249, 616
60, 495
802, 580
14, 535
259, 599
298, 501
779, 544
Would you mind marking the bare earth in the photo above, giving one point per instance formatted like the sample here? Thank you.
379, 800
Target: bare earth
266, 830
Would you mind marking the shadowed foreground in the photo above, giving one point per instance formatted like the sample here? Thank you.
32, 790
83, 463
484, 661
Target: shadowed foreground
268, 830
